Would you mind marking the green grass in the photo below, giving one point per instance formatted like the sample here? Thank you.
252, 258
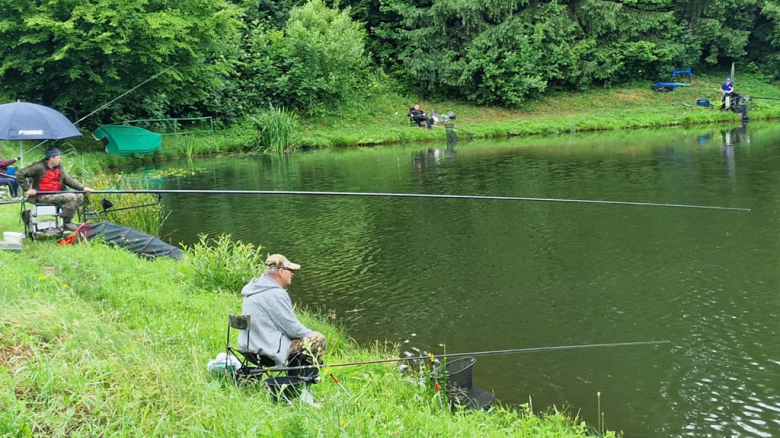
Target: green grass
381, 119
95, 341
629, 107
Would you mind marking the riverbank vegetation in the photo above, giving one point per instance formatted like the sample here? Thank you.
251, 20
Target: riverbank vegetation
383, 120
350, 70
95, 341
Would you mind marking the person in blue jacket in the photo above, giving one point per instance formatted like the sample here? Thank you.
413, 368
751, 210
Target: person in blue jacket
726, 90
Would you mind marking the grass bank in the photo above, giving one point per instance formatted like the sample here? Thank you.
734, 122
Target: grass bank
628, 107
97, 342
382, 119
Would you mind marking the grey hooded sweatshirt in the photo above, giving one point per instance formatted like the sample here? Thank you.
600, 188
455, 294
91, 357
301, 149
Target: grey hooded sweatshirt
273, 323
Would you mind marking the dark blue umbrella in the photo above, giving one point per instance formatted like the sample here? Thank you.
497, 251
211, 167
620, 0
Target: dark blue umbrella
28, 121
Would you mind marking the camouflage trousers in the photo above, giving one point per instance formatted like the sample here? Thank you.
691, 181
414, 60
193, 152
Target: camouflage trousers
70, 203
314, 345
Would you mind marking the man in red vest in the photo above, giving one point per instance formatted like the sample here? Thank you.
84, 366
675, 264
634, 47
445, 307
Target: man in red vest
49, 176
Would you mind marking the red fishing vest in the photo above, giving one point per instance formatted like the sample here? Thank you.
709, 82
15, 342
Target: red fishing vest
51, 181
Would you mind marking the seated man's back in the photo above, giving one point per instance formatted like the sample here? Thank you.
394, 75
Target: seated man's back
274, 329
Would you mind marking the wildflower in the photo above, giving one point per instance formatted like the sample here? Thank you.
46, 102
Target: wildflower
343, 421
36, 295
10, 275
358, 404
64, 286
41, 277
368, 415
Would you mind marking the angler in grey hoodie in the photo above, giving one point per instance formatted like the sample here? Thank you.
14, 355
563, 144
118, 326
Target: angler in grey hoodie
274, 329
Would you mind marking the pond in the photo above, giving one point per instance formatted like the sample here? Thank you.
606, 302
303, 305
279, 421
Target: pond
476, 275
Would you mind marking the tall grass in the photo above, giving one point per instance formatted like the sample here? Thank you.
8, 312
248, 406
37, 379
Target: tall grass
185, 145
222, 263
148, 219
276, 129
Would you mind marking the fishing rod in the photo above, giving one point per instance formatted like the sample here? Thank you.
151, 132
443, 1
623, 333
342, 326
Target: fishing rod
767, 98
395, 195
108, 104
455, 355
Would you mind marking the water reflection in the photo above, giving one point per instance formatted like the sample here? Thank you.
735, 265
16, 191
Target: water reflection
481, 276
736, 135
423, 160
730, 138
452, 141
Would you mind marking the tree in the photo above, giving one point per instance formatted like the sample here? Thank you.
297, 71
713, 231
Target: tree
765, 47
316, 59
83, 53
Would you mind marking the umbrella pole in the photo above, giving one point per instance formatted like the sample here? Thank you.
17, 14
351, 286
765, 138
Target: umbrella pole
21, 153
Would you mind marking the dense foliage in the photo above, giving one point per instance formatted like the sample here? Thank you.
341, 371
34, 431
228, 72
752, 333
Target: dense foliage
235, 57
81, 54
316, 58
503, 51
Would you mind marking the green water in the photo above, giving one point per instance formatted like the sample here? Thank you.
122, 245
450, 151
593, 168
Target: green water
485, 275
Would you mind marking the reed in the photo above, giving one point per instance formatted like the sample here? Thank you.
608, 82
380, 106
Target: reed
147, 219
185, 145
276, 129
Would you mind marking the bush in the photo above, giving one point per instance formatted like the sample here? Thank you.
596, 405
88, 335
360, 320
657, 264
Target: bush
316, 60
221, 263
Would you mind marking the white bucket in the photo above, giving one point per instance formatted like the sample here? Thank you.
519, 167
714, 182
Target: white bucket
13, 237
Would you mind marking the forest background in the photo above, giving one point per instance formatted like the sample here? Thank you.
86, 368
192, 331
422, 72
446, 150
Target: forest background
320, 58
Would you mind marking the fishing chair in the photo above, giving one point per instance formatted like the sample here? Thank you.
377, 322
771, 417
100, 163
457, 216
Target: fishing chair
412, 122
5, 191
42, 219
6, 186
418, 123
255, 365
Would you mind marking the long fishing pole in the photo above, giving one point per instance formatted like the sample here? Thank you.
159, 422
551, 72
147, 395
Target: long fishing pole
396, 195
767, 98
471, 354
108, 104
125, 93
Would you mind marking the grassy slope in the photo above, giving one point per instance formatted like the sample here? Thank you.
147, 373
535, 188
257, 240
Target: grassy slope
375, 120
97, 342
607, 109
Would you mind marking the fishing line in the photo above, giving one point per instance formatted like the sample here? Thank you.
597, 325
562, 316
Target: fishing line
107, 105
767, 98
471, 354
399, 195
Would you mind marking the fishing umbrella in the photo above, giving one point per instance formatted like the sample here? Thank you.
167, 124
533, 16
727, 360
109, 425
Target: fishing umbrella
28, 121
